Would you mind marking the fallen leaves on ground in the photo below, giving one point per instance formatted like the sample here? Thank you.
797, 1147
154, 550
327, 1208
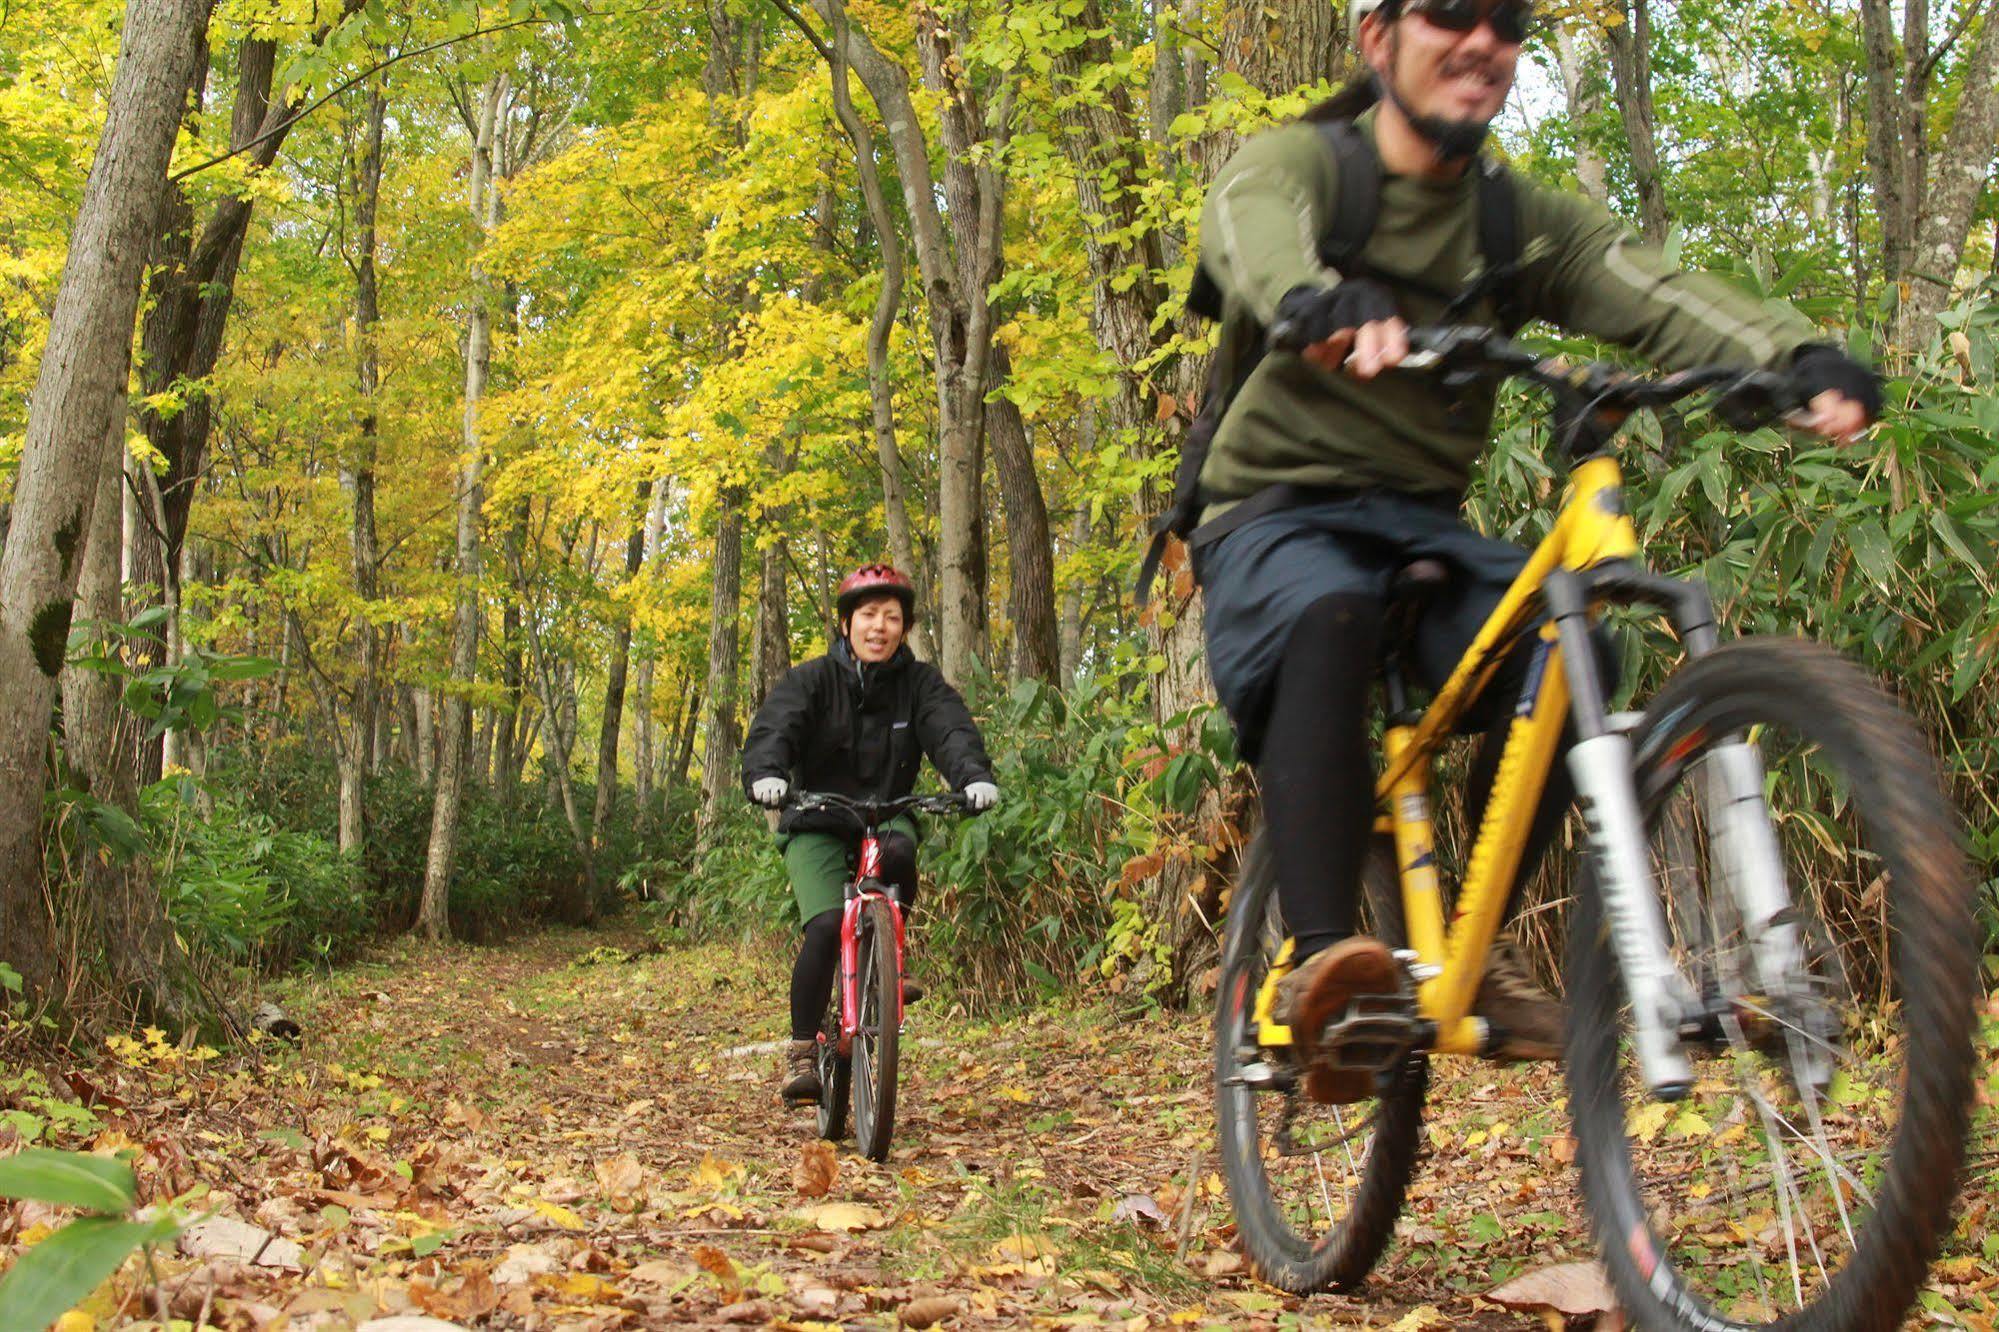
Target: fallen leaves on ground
470, 1138
818, 1169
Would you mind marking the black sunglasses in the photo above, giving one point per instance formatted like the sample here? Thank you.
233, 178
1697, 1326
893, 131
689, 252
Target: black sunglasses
1511, 20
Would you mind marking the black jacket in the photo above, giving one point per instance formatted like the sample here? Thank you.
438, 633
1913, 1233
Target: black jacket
836, 724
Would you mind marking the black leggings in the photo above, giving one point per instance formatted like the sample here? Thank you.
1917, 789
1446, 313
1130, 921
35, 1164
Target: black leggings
1317, 776
819, 953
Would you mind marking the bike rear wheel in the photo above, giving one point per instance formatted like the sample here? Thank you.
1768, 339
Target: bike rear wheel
835, 1074
876, 1038
1807, 1178
1316, 1189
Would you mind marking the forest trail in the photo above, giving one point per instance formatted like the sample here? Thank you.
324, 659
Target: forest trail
561, 1133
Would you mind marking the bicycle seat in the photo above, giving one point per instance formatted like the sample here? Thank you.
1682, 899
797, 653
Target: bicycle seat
1412, 588
1417, 583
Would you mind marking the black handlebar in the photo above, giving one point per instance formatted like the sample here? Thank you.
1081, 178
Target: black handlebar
874, 813
1592, 398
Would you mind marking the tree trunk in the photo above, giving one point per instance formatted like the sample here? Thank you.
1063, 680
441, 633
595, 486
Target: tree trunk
1630, 47
644, 729
513, 747
1887, 159
447, 806
1952, 195
724, 744
359, 481
614, 685
145, 965
1283, 45
1584, 98
771, 656
957, 273
1031, 589
683, 750
1079, 537
83, 371
888, 304
555, 681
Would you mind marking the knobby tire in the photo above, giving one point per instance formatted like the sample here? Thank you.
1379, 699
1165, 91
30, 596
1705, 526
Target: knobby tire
876, 1041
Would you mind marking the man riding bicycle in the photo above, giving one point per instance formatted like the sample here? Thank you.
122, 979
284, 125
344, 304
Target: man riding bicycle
1326, 476
857, 722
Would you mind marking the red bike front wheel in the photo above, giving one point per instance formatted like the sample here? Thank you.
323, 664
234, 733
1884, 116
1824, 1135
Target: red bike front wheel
876, 1035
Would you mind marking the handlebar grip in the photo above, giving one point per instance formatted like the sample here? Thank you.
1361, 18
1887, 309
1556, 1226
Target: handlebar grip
1285, 335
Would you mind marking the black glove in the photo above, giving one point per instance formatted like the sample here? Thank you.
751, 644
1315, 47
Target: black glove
1819, 366
1308, 315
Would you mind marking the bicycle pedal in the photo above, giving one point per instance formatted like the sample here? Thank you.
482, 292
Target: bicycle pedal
1414, 968
1263, 1076
1375, 1035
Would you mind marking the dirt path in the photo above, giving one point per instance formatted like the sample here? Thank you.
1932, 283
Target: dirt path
558, 1135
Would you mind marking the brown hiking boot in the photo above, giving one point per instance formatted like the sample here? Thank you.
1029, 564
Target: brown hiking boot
1320, 990
801, 1061
1529, 1018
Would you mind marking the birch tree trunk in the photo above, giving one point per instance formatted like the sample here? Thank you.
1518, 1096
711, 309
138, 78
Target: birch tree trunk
448, 802
83, 371
724, 732
1579, 90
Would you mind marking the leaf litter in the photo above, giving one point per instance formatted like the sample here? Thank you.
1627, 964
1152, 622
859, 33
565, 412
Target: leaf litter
496, 1138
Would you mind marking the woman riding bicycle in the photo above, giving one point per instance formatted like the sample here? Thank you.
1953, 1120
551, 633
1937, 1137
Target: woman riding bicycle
1326, 476
857, 722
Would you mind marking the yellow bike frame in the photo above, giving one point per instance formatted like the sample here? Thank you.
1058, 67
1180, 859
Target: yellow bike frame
1592, 528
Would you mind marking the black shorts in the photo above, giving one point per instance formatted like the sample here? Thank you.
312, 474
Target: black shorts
1258, 579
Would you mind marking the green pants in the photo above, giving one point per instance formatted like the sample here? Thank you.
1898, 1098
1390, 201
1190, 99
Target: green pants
820, 864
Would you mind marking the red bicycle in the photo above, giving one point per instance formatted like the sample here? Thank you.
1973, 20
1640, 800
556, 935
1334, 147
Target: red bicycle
863, 1025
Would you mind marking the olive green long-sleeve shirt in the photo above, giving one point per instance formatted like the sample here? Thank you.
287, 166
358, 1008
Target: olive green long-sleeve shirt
1580, 269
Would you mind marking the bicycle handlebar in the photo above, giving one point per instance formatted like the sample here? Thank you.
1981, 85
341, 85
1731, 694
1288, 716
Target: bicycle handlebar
877, 812
1592, 398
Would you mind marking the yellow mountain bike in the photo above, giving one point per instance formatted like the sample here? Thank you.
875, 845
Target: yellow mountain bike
1771, 962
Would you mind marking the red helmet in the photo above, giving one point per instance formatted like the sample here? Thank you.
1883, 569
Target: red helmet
872, 580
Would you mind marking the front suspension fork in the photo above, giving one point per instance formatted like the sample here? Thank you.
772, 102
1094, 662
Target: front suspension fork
1662, 1003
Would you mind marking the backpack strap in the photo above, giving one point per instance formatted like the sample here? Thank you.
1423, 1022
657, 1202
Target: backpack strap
1498, 247
1358, 202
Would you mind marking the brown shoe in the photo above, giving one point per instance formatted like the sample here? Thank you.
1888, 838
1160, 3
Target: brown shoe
1320, 990
1528, 1017
801, 1061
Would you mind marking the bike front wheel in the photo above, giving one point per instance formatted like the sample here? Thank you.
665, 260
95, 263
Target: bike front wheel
1316, 1189
1806, 1179
835, 1074
876, 1038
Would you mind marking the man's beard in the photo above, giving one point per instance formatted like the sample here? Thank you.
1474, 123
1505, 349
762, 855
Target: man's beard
1454, 140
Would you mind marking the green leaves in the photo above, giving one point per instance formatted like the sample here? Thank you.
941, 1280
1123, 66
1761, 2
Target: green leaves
64, 1268
69, 1179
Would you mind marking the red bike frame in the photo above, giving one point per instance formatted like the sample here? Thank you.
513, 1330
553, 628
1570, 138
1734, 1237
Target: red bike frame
858, 897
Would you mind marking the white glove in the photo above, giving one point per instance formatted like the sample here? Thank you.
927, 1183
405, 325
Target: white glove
981, 795
769, 791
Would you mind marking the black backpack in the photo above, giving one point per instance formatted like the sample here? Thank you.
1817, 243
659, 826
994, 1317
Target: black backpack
1355, 212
